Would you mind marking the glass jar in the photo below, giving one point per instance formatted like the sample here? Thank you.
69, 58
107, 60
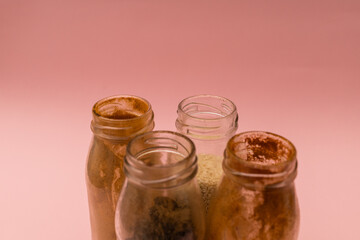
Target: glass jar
209, 121
160, 199
115, 121
256, 198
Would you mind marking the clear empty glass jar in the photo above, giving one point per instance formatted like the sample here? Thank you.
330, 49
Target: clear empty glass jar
256, 199
209, 121
116, 120
160, 199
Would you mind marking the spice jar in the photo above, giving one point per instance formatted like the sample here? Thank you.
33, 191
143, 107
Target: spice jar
160, 199
115, 121
209, 121
256, 198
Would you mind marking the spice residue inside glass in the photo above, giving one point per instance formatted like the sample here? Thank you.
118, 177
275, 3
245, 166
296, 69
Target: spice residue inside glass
167, 219
115, 121
256, 198
160, 198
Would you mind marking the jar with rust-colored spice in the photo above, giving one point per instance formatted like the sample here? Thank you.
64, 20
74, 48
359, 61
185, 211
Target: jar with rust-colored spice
209, 121
160, 199
256, 199
116, 120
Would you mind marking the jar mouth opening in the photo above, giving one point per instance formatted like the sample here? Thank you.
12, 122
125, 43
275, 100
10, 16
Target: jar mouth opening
121, 108
160, 150
160, 159
261, 152
207, 107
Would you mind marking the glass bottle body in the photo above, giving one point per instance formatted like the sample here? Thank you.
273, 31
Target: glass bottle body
256, 199
115, 121
209, 121
160, 199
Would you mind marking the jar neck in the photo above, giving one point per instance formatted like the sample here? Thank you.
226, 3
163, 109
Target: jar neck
260, 160
160, 159
120, 118
207, 117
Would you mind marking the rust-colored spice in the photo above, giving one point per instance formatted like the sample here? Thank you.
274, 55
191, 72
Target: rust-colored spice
256, 199
115, 121
105, 178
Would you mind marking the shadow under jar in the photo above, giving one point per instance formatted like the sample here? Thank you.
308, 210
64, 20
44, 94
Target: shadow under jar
116, 120
256, 199
160, 199
209, 121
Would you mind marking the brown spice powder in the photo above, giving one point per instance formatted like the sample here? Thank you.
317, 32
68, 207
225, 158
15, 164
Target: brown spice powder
115, 121
249, 214
252, 208
106, 178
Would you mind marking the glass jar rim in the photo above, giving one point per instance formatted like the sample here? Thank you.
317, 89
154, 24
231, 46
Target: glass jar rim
282, 170
181, 107
167, 174
290, 158
190, 154
117, 120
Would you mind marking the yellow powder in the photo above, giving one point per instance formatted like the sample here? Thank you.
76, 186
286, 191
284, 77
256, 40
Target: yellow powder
209, 175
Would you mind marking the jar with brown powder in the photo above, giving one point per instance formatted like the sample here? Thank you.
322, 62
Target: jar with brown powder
209, 121
256, 199
116, 120
160, 199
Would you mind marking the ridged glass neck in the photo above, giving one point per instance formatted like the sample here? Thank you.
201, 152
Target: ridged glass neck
260, 159
207, 117
120, 118
160, 159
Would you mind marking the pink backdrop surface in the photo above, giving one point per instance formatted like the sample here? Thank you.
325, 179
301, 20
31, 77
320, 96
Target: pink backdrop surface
291, 67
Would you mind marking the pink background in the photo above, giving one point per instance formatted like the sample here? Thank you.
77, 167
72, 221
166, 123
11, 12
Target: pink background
291, 67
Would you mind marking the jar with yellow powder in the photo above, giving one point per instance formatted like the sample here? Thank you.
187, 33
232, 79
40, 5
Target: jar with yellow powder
209, 121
